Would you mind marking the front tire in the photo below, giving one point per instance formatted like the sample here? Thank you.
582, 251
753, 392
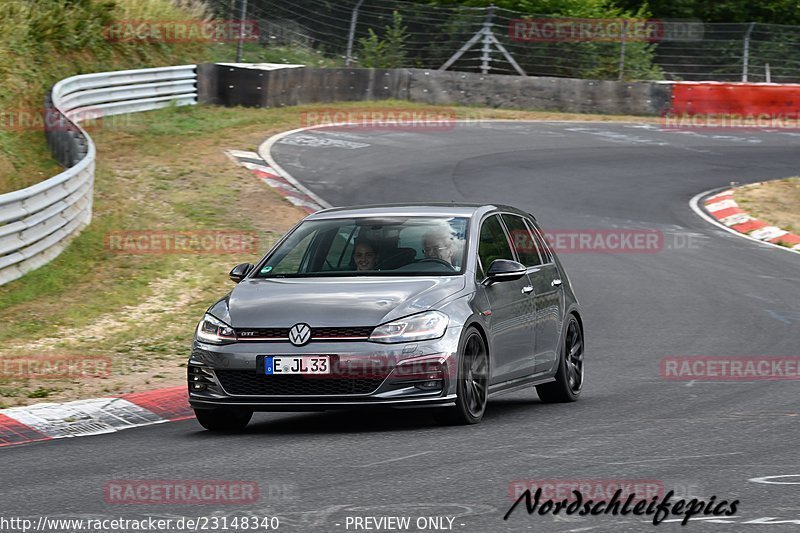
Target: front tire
569, 377
473, 382
223, 419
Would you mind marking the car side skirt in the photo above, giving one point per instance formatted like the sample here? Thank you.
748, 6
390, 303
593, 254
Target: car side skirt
518, 384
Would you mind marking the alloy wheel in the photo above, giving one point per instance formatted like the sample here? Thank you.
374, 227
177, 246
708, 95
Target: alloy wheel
475, 376
574, 357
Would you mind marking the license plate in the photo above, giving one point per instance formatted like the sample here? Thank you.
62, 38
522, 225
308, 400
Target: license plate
309, 364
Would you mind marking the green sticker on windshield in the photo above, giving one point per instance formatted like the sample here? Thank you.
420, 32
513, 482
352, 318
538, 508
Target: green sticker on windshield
266, 269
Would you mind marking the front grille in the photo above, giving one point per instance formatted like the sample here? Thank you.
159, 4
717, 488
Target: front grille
361, 332
263, 333
317, 333
250, 383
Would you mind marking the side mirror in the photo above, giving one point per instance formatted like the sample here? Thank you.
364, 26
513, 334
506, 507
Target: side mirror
240, 271
504, 270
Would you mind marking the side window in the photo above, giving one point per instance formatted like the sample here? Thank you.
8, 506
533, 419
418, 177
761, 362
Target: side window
544, 248
493, 242
523, 241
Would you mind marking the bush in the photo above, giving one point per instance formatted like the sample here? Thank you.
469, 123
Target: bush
388, 52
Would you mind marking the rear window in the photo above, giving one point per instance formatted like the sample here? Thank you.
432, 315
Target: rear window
523, 240
541, 243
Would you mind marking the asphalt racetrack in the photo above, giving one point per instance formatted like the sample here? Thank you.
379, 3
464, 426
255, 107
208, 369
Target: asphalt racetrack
701, 292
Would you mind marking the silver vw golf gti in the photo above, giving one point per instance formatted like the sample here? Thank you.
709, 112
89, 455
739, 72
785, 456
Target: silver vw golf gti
430, 305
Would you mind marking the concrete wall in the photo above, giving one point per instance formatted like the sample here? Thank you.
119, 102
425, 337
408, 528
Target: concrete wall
545, 94
231, 86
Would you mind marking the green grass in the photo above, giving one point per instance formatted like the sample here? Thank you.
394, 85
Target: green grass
25, 159
40, 392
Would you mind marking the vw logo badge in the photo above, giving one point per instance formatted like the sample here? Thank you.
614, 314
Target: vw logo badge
299, 334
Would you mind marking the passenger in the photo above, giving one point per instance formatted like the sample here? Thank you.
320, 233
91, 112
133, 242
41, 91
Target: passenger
438, 243
365, 255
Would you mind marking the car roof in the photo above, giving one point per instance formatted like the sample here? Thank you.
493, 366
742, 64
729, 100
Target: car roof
413, 209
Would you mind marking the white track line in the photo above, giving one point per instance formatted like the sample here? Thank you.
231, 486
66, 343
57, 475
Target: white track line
265, 151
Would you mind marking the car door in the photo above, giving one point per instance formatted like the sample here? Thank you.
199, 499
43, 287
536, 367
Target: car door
548, 288
527, 252
510, 305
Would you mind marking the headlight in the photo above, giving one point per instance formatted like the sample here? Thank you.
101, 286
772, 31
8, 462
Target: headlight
424, 326
214, 331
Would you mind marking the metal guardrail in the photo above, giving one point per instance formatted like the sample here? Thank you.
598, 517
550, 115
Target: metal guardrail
37, 223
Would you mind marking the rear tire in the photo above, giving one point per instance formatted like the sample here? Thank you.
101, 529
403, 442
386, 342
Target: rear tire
223, 419
569, 377
473, 382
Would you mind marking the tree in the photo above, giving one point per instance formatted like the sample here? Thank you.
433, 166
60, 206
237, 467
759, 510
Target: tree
768, 11
388, 52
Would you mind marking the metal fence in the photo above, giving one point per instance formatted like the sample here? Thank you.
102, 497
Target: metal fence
37, 222
503, 41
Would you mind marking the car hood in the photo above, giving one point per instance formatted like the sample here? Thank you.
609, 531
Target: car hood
352, 302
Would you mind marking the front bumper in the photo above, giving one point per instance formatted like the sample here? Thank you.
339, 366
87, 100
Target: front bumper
365, 374
323, 405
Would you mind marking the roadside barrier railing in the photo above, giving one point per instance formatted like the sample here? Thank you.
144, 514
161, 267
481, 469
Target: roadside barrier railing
37, 223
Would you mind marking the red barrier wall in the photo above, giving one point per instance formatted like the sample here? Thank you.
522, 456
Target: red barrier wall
735, 98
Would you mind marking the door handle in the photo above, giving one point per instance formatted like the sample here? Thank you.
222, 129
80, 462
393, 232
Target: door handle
527, 289
555, 283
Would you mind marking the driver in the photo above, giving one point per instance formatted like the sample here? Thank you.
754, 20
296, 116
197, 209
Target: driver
438, 243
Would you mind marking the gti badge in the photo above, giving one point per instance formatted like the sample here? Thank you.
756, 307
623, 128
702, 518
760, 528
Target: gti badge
299, 334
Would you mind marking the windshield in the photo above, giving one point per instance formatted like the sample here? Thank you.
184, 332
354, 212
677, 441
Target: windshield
377, 246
